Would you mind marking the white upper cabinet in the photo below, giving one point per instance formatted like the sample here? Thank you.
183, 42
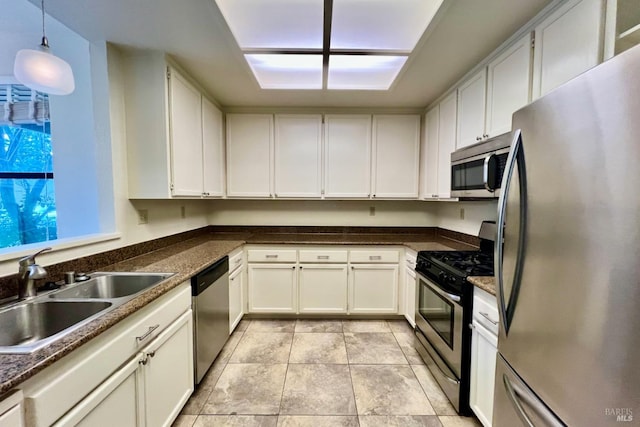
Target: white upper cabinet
429, 155
298, 155
446, 143
567, 43
471, 110
508, 86
212, 150
347, 156
249, 158
396, 148
168, 131
185, 124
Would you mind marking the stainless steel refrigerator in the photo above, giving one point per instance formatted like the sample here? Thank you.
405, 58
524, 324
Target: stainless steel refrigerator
568, 274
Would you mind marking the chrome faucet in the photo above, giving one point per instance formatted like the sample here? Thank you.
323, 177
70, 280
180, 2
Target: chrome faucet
28, 272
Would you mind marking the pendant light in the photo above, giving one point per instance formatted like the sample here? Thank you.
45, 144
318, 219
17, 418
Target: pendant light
42, 71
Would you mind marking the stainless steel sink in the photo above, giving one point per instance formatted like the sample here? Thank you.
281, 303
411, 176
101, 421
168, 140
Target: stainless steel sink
110, 286
28, 324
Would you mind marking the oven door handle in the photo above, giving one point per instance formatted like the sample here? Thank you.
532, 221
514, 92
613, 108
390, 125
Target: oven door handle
438, 290
455, 298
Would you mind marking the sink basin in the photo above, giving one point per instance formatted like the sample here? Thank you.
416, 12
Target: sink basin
110, 286
26, 325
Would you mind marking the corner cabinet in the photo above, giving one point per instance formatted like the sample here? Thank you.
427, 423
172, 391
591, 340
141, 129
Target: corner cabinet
438, 144
174, 133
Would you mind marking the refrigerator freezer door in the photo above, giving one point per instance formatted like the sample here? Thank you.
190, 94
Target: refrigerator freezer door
572, 247
515, 404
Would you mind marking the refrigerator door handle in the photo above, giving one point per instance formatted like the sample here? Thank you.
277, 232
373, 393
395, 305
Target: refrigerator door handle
516, 394
516, 157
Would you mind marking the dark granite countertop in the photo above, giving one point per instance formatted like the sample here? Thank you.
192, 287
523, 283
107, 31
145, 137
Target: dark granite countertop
187, 258
486, 283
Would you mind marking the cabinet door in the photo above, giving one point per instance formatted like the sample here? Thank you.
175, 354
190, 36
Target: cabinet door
185, 124
298, 152
396, 148
272, 288
373, 288
410, 296
323, 288
471, 106
212, 150
483, 372
249, 148
168, 372
116, 402
236, 290
446, 143
347, 156
508, 86
429, 155
567, 43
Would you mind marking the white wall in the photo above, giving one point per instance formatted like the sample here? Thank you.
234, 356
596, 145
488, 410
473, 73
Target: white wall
450, 217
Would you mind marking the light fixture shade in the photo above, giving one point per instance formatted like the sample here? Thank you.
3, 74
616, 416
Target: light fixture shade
363, 72
286, 71
44, 72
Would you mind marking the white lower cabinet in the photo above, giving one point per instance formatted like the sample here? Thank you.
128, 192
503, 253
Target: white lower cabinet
12, 410
137, 373
236, 290
410, 288
484, 349
272, 288
323, 288
373, 288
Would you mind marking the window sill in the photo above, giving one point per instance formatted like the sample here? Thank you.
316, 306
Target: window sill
14, 253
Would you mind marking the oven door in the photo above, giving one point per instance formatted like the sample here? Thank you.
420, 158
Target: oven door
439, 318
479, 176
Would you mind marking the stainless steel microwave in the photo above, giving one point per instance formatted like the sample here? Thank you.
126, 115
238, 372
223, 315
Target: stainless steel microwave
476, 170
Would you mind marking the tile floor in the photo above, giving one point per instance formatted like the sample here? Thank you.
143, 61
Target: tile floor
299, 373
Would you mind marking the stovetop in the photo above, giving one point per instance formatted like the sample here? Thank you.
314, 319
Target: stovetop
449, 269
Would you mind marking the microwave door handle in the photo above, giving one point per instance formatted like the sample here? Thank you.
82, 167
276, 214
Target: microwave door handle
485, 172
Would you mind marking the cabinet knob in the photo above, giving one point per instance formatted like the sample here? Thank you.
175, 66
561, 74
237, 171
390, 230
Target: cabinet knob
478, 138
485, 136
152, 353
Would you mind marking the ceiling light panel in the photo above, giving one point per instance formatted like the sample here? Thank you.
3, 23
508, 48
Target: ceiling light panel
275, 24
275, 71
386, 25
363, 72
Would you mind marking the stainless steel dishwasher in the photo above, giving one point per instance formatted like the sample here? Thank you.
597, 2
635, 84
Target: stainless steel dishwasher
210, 296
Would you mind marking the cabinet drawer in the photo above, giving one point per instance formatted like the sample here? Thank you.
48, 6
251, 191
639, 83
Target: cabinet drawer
235, 261
54, 391
274, 255
319, 256
391, 256
485, 310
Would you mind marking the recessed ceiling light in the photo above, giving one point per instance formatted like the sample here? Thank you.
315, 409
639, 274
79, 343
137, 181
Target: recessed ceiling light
380, 25
275, 24
363, 72
287, 71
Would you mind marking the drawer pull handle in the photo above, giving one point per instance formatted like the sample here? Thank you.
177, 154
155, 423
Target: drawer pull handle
375, 257
486, 316
271, 256
238, 260
323, 256
148, 333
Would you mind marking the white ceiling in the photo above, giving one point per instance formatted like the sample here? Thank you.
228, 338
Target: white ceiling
195, 34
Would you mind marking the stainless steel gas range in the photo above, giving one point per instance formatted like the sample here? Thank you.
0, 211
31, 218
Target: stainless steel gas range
444, 310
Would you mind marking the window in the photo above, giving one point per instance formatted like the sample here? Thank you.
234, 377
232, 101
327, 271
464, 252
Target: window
27, 194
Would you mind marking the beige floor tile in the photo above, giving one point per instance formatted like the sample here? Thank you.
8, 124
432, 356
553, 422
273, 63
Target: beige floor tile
247, 389
318, 348
262, 347
365, 326
260, 325
236, 421
229, 347
374, 348
184, 421
400, 326
388, 390
318, 326
199, 397
457, 421
434, 393
399, 421
318, 389
406, 342
243, 325
317, 421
